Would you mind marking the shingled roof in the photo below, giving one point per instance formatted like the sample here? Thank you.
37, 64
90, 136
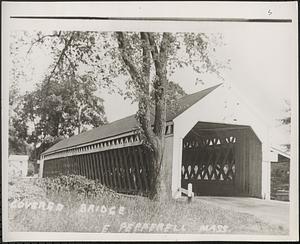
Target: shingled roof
127, 124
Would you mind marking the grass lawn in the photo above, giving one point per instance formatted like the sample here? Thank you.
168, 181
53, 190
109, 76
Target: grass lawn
30, 210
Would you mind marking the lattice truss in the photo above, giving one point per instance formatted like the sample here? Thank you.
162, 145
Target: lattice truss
209, 159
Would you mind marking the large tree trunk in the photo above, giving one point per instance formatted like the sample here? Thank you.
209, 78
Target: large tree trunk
154, 137
159, 189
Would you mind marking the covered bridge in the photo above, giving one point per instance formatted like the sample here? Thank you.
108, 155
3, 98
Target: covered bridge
214, 140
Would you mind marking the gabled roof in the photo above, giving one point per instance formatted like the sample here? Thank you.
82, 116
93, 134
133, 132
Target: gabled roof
127, 124
280, 152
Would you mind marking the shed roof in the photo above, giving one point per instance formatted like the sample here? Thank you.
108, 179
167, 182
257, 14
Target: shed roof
280, 152
127, 124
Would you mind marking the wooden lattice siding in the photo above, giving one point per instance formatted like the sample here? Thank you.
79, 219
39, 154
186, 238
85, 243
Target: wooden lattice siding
227, 163
125, 169
209, 164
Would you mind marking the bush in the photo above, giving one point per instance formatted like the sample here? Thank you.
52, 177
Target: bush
279, 178
74, 184
30, 172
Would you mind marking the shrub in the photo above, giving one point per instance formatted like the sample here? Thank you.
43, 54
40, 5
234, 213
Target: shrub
75, 184
30, 172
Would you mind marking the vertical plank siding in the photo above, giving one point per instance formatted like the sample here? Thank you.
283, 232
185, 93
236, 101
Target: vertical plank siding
125, 170
255, 150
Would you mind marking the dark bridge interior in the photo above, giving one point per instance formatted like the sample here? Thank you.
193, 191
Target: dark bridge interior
218, 159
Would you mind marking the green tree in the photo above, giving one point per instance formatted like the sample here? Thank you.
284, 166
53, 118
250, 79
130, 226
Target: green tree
17, 127
62, 104
287, 121
160, 54
146, 61
60, 108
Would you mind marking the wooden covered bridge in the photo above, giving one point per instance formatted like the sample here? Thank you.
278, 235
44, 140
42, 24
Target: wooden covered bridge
214, 141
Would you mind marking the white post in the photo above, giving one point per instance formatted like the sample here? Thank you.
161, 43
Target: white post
176, 166
41, 167
190, 192
266, 171
266, 180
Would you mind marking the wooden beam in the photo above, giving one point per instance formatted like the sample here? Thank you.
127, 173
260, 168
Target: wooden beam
124, 184
89, 166
77, 165
100, 169
105, 170
113, 168
96, 167
131, 166
95, 171
126, 166
137, 169
117, 169
143, 162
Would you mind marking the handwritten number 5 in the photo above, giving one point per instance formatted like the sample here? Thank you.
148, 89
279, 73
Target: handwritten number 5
269, 12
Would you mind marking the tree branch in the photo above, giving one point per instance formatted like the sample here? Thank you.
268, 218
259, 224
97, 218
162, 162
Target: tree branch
154, 50
42, 38
160, 62
146, 56
61, 56
141, 82
71, 63
122, 46
144, 100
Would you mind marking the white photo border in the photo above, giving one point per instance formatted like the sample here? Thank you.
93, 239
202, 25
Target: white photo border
149, 11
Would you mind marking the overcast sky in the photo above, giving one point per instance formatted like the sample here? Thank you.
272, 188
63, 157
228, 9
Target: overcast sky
261, 69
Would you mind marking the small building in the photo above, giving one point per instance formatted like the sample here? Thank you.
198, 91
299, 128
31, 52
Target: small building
214, 140
18, 165
280, 175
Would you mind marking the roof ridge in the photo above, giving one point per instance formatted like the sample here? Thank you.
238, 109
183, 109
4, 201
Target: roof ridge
104, 125
203, 92
208, 88
117, 127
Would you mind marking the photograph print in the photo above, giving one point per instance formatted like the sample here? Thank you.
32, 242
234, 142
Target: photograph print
151, 130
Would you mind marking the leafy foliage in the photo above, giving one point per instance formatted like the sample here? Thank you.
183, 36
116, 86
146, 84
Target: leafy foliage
46, 143
144, 61
64, 103
17, 124
79, 185
280, 177
287, 121
60, 109
16, 144
173, 92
